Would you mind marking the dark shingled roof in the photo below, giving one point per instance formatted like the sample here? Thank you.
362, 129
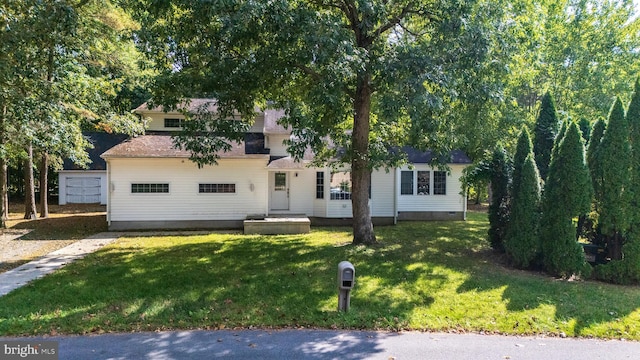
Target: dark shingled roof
101, 142
426, 157
161, 146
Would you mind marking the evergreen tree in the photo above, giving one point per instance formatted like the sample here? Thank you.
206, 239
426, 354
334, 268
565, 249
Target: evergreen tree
615, 162
633, 121
500, 170
593, 160
522, 241
567, 194
627, 269
524, 147
545, 133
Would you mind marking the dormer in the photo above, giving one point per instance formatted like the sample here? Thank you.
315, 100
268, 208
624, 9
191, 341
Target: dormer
171, 121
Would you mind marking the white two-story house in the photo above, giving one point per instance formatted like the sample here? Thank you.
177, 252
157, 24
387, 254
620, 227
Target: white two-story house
153, 185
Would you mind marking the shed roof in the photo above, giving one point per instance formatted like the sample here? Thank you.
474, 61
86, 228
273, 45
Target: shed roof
101, 142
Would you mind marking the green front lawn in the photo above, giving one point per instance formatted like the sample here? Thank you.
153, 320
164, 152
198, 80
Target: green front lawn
423, 276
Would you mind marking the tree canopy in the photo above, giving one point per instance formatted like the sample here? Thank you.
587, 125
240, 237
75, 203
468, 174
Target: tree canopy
64, 64
369, 75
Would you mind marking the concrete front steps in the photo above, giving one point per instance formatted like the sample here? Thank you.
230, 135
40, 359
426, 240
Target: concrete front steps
277, 225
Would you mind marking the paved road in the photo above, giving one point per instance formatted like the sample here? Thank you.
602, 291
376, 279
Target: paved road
321, 344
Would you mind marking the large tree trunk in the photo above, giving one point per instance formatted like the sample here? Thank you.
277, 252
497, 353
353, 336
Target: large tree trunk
4, 194
29, 191
44, 185
360, 171
4, 199
614, 245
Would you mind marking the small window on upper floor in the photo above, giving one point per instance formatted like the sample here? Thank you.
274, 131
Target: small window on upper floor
173, 123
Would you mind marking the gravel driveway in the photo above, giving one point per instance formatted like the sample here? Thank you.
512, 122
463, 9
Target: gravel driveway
15, 252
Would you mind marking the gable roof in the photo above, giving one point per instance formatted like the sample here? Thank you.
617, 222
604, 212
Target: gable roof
101, 142
271, 126
161, 146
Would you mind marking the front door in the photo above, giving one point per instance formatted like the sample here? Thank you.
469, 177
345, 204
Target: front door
280, 191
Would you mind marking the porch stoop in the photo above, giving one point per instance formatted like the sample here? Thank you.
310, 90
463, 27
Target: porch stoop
277, 225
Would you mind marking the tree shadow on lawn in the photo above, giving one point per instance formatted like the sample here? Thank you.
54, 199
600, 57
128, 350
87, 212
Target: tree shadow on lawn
239, 282
578, 307
73, 227
288, 281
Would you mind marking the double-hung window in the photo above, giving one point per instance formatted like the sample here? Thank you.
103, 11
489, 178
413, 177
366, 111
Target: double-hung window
439, 183
406, 182
319, 185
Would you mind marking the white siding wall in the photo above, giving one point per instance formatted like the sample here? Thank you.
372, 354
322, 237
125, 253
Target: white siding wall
274, 143
184, 202
156, 122
452, 201
382, 193
339, 209
302, 191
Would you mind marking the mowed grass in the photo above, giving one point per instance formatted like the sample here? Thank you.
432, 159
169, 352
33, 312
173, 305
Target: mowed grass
433, 276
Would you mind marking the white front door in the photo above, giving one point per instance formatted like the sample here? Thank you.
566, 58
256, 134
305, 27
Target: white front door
280, 191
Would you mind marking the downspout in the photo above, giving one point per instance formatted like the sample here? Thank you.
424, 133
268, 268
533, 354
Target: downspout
109, 190
395, 196
267, 193
465, 201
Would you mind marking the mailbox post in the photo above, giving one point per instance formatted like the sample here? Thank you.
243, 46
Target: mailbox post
346, 280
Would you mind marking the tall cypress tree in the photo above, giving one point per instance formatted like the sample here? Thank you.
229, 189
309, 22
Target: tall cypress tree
524, 147
567, 194
500, 170
593, 160
522, 242
627, 269
633, 121
615, 168
545, 134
